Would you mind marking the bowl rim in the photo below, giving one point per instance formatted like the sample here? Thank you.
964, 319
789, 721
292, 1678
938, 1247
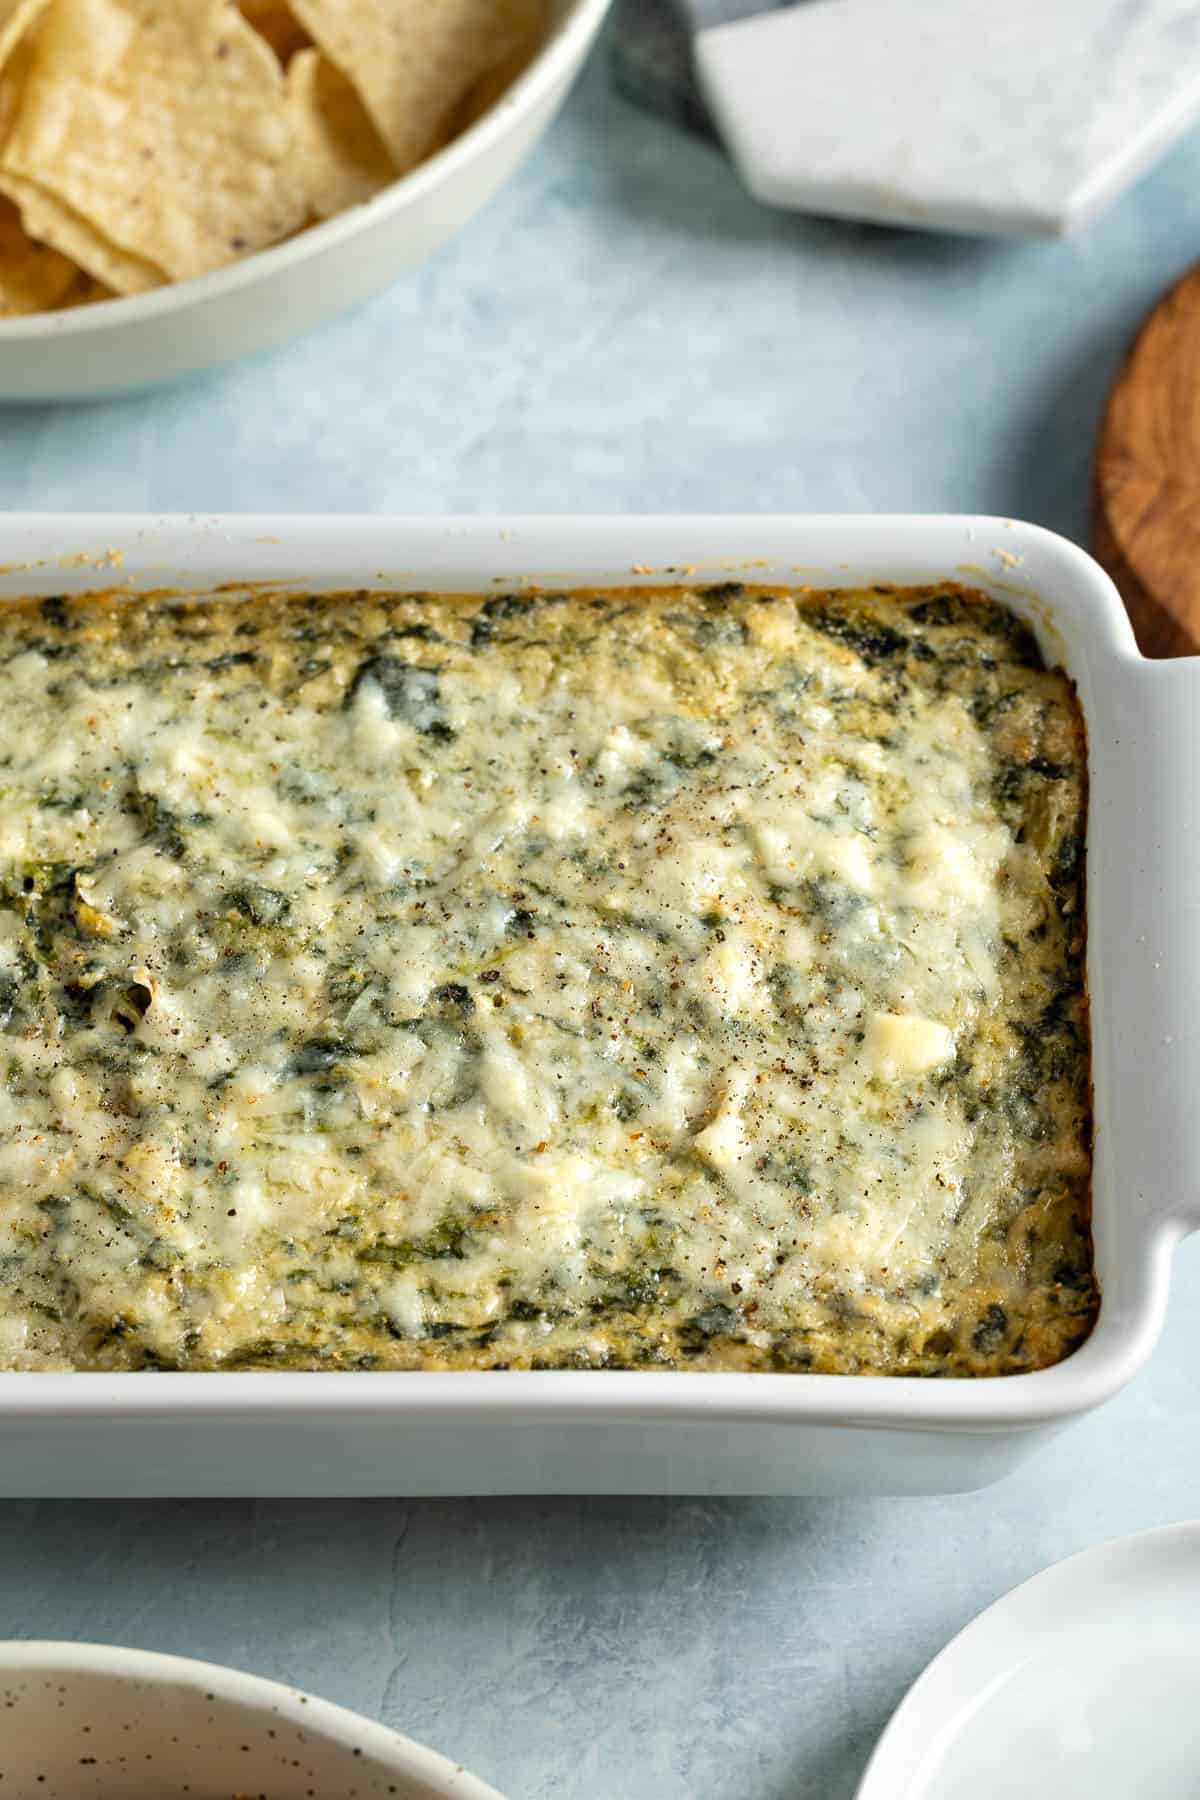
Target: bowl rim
560, 52
340, 1725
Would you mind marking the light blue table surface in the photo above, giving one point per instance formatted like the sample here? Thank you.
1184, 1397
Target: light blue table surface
624, 329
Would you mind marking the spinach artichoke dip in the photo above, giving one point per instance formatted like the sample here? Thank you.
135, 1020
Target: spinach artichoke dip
679, 979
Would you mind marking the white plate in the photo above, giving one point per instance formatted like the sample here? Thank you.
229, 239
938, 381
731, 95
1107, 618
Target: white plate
1082, 1685
85, 1722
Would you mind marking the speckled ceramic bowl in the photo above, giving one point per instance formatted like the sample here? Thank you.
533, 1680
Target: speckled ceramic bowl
87, 1722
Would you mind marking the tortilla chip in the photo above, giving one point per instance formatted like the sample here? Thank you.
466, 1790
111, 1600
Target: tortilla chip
86, 292
342, 159
16, 54
483, 94
46, 218
276, 22
15, 17
414, 61
32, 277
163, 125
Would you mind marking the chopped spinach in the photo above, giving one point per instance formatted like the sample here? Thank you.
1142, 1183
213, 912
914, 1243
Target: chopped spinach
411, 693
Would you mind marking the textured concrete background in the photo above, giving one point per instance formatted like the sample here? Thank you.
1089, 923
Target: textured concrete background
624, 330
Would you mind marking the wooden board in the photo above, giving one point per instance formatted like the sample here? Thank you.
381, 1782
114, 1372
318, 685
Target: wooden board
1146, 490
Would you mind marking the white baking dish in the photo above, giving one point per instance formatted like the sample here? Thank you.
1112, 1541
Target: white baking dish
643, 1432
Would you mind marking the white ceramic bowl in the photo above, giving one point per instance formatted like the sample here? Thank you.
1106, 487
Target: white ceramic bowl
87, 1722
191, 325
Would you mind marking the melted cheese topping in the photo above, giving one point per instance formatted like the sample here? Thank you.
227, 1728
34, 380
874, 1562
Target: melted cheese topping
672, 979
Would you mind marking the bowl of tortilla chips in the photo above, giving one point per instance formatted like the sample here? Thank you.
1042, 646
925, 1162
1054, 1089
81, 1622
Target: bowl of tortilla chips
184, 181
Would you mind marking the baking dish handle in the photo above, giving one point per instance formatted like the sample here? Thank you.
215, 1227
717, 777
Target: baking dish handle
1144, 928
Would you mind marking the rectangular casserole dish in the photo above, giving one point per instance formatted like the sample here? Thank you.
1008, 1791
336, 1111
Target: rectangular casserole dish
624, 1432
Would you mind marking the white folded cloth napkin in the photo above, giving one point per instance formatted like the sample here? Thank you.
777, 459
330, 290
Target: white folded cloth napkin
1024, 118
